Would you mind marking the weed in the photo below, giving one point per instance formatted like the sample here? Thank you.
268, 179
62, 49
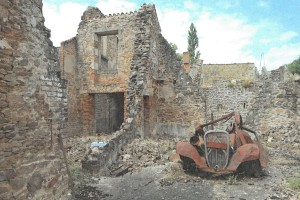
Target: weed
232, 180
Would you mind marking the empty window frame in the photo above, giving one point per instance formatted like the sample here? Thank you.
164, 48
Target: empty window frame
108, 51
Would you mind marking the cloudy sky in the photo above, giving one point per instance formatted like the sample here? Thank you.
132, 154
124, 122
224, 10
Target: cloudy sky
266, 32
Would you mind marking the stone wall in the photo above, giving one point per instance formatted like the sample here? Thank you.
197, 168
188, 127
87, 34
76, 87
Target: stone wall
274, 111
235, 71
179, 104
98, 160
32, 105
225, 98
158, 84
144, 71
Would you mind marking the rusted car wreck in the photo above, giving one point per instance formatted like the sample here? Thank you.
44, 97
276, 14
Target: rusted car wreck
236, 149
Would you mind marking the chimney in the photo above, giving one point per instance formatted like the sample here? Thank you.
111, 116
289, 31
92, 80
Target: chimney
186, 62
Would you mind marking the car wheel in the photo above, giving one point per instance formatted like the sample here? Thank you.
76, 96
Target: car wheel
188, 164
250, 168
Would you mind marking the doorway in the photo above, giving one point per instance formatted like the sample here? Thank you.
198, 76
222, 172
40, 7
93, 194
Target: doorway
109, 112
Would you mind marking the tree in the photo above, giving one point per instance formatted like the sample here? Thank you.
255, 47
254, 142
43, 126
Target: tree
294, 67
173, 46
193, 44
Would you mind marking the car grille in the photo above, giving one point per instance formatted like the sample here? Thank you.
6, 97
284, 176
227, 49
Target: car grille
217, 158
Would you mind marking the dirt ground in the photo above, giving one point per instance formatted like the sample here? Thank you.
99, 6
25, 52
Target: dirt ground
167, 180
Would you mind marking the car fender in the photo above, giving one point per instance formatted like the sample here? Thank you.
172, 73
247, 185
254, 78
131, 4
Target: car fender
188, 150
244, 153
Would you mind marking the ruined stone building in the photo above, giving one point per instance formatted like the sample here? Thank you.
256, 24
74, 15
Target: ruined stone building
118, 76
120, 68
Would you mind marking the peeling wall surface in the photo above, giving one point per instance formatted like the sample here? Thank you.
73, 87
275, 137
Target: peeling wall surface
33, 105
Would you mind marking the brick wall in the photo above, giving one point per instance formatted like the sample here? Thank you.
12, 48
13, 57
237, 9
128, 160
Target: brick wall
88, 112
69, 71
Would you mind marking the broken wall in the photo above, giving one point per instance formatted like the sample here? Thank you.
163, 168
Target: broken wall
144, 72
274, 112
32, 105
235, 71
179, 103
157, 80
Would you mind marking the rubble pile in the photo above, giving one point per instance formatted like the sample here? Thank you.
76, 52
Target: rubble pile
283, 134
144, 153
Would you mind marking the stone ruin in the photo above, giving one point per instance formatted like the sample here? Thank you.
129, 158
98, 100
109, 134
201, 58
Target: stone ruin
118, 78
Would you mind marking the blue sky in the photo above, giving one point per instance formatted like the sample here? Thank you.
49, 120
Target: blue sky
229, 31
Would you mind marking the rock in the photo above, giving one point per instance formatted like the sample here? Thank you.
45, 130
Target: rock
35, 183
174, 157
270, 139
126, 157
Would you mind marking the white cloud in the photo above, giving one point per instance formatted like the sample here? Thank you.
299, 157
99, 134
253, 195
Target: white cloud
175, 25
63, 20
224, 39
287, 36
115, 6
278, 56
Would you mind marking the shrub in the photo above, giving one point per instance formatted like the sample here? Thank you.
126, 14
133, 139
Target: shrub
294, 67
246, 83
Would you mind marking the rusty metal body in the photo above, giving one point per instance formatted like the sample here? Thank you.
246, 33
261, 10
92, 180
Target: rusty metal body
218, 151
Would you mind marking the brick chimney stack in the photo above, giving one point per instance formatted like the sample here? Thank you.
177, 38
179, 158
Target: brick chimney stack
186, 62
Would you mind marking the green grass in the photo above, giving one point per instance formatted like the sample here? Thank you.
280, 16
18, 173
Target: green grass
294, 183
76, 172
